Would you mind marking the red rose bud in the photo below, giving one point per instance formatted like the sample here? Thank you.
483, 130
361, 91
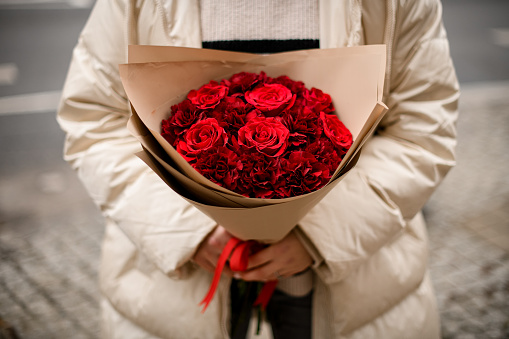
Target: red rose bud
271, 99
208, 96
336, 131
268, 135
201, 137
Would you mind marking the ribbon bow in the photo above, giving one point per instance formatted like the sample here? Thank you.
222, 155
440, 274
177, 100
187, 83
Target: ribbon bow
238, 252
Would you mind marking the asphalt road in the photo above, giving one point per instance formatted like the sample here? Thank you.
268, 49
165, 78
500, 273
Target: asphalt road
478, 34
36, 49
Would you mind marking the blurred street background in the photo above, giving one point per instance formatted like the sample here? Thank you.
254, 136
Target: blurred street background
50, 232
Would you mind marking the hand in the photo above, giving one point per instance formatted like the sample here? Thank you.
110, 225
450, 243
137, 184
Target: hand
210, 249
282, 259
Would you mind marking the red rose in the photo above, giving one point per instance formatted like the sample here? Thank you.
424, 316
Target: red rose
184, 116
318, 101
201, 137
268, 135
271, 99
208, 96
336, 131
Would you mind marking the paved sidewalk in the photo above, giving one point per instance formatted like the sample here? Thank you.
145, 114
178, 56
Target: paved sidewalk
50, 236
468, 220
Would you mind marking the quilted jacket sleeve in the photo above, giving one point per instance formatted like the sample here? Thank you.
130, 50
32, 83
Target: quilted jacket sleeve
404, 162
93, 112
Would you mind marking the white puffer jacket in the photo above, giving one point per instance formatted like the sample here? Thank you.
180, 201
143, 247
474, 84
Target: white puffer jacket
373, 281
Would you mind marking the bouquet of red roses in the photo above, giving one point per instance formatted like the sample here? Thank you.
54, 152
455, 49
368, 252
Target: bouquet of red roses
259, 136
257, 160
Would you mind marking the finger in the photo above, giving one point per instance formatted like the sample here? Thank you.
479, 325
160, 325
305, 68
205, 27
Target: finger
261, 258
209, 251
211, 266
207, 258
263, 273
219, 238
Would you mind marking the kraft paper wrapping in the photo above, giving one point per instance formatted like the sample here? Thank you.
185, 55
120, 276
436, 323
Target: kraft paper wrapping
157, 77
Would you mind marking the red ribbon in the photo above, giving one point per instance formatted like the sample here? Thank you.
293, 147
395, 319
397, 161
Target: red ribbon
238, 252
265, 294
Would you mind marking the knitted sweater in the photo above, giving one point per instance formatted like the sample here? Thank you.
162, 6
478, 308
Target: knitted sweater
261, 26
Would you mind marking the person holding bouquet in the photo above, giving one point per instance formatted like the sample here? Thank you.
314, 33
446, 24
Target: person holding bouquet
355, 266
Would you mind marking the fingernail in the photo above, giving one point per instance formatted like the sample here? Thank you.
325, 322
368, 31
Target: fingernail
236, 275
